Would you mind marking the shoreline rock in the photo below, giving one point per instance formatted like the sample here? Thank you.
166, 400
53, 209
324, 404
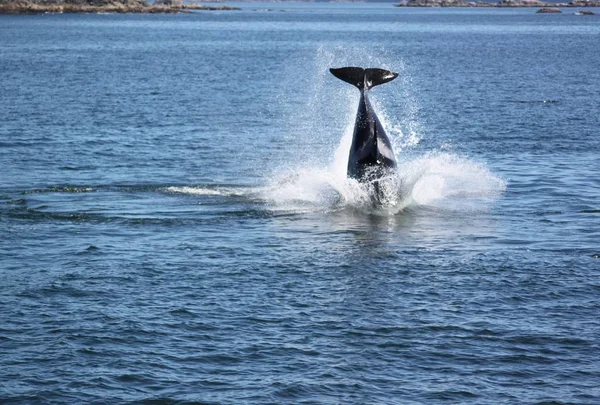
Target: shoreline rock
101, 7
197, 6
501, 4
548, 10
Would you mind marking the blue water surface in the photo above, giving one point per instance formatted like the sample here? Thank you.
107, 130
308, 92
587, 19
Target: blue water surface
176, 225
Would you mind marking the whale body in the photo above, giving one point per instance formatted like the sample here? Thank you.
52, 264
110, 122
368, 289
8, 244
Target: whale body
371, 155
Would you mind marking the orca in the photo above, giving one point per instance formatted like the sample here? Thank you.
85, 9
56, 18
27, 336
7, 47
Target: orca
371, 154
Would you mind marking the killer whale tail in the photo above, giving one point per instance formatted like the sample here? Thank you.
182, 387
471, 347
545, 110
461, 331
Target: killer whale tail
363, 79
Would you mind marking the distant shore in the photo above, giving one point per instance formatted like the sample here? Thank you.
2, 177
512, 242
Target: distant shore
101, 7
177, 6
501, 4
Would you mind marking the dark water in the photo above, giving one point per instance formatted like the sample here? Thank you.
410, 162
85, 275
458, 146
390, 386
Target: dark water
176, 226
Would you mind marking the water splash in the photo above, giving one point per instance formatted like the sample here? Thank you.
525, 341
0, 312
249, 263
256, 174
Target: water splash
435, 179
323, 126
317, 111
210, 191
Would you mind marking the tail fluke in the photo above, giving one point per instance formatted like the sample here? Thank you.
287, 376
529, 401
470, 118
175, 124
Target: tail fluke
364, 79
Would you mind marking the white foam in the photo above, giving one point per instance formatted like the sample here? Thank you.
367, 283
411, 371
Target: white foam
441, 180
208, 191
449, 181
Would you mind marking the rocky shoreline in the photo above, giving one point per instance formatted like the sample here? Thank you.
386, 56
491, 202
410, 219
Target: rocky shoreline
501, 4
177, 6
101, 7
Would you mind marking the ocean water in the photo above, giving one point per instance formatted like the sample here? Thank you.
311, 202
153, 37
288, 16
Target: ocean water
176, 225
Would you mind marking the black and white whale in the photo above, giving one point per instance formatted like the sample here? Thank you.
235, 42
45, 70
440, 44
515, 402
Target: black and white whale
371, 154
